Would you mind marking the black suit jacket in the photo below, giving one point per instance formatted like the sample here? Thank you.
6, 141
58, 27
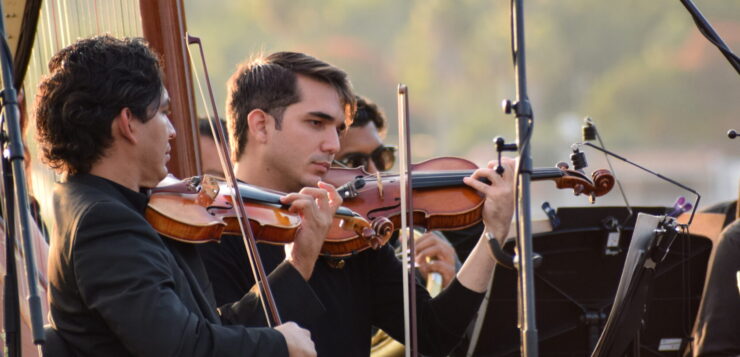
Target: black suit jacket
118, 289
366, 292
717, 328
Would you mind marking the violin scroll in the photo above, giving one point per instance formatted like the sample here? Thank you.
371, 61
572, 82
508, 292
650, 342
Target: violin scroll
603, 181
382, 229
375, 233
600, 183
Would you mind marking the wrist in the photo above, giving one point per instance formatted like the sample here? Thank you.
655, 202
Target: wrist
489, 236
498, 231
304, 268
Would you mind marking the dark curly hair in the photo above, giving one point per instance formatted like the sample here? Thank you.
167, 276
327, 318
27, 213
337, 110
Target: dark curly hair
88, 85
270, 84
367, 112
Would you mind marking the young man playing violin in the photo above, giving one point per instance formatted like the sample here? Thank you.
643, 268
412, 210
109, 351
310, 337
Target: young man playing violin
116, 287
286, 112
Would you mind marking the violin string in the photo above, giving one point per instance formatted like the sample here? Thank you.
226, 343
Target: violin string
432, 178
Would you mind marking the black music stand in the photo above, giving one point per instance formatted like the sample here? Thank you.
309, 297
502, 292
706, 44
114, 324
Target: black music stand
578, 280
651, 239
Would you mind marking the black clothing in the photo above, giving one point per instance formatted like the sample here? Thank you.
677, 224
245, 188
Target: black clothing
717, 328
729, 209
366, 292
464, 240
118, 289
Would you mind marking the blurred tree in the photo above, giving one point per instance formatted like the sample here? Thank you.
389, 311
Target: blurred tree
641, 69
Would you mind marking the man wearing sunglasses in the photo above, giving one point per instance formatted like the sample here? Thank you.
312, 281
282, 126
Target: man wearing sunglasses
362, 146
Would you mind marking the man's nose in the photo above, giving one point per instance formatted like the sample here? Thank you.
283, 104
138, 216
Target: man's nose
331, 142
171, 129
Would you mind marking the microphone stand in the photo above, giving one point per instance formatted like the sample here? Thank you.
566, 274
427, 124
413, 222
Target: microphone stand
11, 308
706, 29
16, 202
732, 133
670, 180
525, 122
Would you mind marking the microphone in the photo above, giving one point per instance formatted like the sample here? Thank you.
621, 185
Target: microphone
588, 130
589, 133
578, 159
552, 216
731, 134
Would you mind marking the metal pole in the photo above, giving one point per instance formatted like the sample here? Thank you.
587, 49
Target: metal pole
525, 119
15, 154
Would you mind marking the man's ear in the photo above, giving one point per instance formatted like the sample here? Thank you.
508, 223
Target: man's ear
123, 125
258, 125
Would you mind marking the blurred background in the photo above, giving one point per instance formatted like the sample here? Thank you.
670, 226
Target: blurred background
658, 92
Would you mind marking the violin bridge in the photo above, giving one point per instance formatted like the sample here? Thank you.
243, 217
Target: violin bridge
379, 180
208, 190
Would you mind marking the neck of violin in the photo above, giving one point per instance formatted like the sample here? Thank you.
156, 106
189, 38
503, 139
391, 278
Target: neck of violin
251, 193
432, 179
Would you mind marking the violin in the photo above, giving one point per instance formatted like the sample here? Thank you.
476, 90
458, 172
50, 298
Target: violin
441, 200
201, 209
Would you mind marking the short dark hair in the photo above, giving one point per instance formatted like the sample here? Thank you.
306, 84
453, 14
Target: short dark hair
88, 84
204, 128
270, 84
366, 112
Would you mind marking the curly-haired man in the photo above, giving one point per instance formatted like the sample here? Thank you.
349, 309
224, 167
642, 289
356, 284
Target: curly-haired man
116, 287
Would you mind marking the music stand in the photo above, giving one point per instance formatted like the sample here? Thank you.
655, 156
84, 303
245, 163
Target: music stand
651, 239
577, 282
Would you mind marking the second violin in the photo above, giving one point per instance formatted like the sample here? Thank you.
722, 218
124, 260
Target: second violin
441, 200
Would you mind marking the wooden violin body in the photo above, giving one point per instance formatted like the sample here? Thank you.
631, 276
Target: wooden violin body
437, 205
199, 210
441, 200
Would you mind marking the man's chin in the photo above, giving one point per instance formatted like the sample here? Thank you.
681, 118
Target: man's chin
312, 181
155, 180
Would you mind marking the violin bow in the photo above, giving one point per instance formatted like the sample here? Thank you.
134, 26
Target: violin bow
255, 262
408, 255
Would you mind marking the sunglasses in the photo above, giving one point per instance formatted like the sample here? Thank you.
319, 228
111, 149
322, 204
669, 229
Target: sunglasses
383, 157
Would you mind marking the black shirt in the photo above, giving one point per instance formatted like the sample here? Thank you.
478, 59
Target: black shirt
117, 288
717, 328
366, 292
